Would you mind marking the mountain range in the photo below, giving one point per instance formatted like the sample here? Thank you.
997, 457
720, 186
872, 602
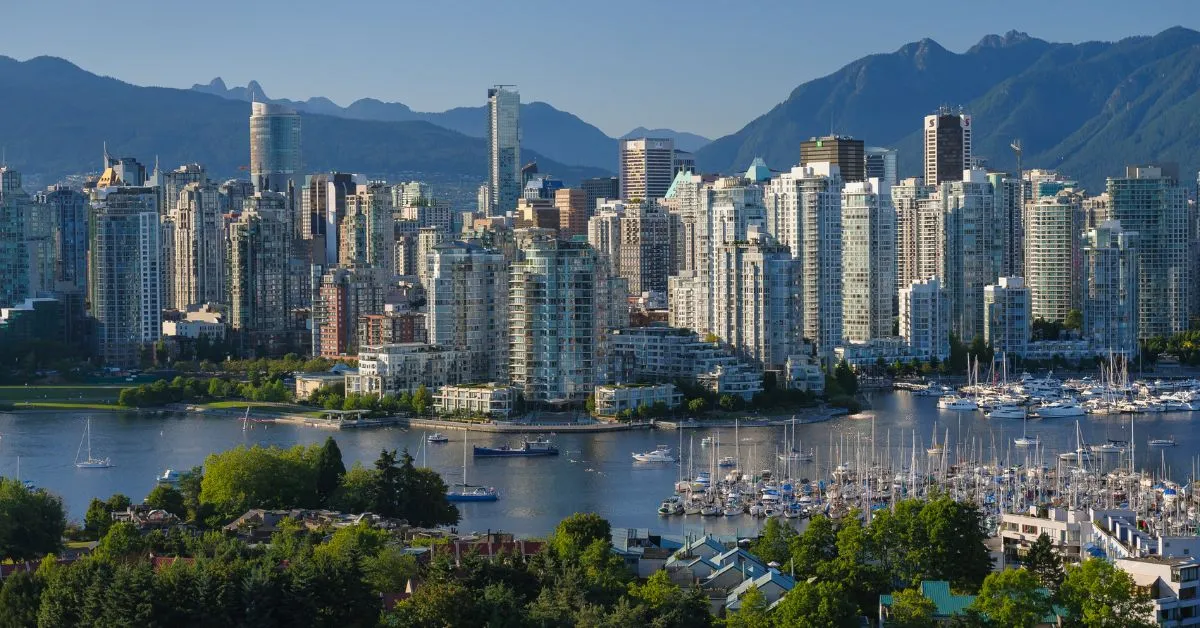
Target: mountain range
559, 135
1085, 109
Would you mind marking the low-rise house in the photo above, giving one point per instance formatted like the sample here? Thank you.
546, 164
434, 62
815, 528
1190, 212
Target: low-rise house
259, 524
309, 383
1067, 530
772, 584
145, 518
612, 400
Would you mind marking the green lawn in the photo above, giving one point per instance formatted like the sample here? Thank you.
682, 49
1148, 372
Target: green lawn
67, 405
74, 394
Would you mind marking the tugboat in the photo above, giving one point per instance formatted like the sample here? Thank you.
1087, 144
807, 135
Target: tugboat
536, 447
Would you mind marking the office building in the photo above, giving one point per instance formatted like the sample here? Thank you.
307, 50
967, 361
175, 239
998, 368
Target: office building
68, 210
645, 247
597, 188
15, 207
1053, 260
125, 273
1006, 316
1152, 203
925, 319
868, 260
234, 193
345, 295
504, 149
847, 153
275, 158
554, 331
907, 198
1110, 298
683, 162
261, 290
467, 292
880, 163
322, 208
647, 167
121, 171
573, 212
195, 268
171, 183
804, 213
536, 213
947, 146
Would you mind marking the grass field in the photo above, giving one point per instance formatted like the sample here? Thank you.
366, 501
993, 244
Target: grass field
72, 394
67, 405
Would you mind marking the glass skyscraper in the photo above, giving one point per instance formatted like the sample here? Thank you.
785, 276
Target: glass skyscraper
504, 149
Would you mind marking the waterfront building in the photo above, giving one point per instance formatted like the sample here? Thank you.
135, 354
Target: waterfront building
68, 211
345, 295
645, 246
504, 149
907, 200
195, 269
1006, 316
947, 146
490, 400
1052, 255
573, 212
1110, 298
468, 306
804, 213
1152, 203
275, 157
925, 319
614, 399
880, 163
1172, 583
125, 273
647, 167
391, 327
847, 153
597, 188
262, 291
667, 354
15, 207
403, 368
554, 320
868, 260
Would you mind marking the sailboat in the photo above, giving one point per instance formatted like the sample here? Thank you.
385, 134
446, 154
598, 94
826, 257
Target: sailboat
936, 449
90, 462
1025, 440
467, 494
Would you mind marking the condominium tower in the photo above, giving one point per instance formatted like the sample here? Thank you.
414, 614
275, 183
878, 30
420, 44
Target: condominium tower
868, 260
1110, 299
275, 159
1052, 256
261, 290
468, 296
14, 251
504, 149
947, 146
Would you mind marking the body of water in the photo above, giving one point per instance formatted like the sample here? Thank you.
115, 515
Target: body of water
594, 473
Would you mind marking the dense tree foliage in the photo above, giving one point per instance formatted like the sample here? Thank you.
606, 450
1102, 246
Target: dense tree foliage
1097, 593
168, 498
99, 514
191, 389
404, 491
1042, 561
1013, 598
911, 609
31, 521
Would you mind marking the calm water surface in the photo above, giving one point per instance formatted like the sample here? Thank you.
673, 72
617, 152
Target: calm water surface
594, 473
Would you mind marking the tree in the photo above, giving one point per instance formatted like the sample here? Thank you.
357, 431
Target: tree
774, 542
31, 522
1044, 563
575, 533
122, 541
406, 492
19, 601
99, 513
1013, 597
669, 605
816, 603
354, 493
751, 612
1073, 321
728, 402
1097, 593
168, 498
421, 400
954, 548
846, 378
911, 609
697, 405
330, 470
259, 477
590, 404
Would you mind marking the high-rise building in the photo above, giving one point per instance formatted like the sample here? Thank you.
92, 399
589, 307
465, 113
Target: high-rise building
604, 232
847, 153
504, 149
14, 252
880, 163
1009, 225
868, 260
1007, 324
647, 167
125, 273
345, 295
68, 210
1053, 261
1153, 204
234, 193
907, 198
573, 212
804, 213
1110, 300
645, 247
121, 171
170, 184
683, 162
260, 286
554, 331
322, 208
468, 306
956, 224
368, 234
428, 238
598, 188
195, 268
755, 307
275, 158
947, 146
925, 319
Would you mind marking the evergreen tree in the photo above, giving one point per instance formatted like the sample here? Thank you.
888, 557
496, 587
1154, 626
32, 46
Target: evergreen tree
330, 470
31, 522
1045, 563
19, 601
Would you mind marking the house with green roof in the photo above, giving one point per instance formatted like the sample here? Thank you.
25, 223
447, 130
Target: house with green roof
946, 603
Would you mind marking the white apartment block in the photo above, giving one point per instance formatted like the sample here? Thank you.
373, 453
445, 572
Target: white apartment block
868, 260
196, 265
468, 306
755, 308
1052, 255
906, 199
647, 167
403, 368
604, 231
1006, 316
667, 354
613, 399
1110, 299
925, 319
491, 399
967, 262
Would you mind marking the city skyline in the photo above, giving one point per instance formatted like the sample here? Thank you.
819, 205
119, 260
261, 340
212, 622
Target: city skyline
299, 71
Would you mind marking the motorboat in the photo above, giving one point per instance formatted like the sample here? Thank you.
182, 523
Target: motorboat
796, 455
1111, 447
706, 441
170, 476
727, 461
477, 494
1161, 442
732, 510
671, 506
528, 448
437, 437
1059, 409
710, 511
1027, 441
661, 454
954, 402
1007, 411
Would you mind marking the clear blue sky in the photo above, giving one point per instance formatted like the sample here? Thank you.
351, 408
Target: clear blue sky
706, 66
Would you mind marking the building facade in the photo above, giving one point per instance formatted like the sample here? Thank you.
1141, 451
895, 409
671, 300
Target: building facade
14, 250
1052, 255
468, 306
847, 153
262, 291
947, 146
1006, 316
68, 209
504, 149
1110, 299
403, 368
868, 260
196, 268
275, 158
925, 319
645, 246
647, 168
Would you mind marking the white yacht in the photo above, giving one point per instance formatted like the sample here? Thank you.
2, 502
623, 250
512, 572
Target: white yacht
90, 462
954, 402
1027, 441
661, 454
1161, 442
1059, 409
1007, 411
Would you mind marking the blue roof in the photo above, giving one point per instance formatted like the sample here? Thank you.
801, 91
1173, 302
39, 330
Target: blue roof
784, 582
758, 170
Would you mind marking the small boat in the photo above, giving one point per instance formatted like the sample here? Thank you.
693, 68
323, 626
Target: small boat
1161, 442
478, 494
732, 510
90, 462
710, 511
528, 448
670, 507
706, 441
661, 454
691, 508
935, 449
1060, 409
1111, 447
796, 455
170, 476
1027, 441
727, 461
437, 437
